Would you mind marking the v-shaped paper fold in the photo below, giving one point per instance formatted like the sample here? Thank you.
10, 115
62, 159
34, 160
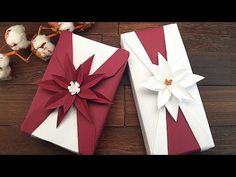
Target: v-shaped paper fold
75, 94
169, 106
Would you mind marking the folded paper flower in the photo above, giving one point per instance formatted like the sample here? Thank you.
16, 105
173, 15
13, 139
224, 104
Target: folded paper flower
169, 106
171, 86
75, 94
75, 88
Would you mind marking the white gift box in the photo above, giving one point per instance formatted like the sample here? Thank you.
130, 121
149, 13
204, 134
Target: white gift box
152, 119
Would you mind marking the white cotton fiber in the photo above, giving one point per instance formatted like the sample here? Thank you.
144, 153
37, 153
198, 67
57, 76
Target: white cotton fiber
16, 37
5, 73
66, 26
4, 61
43, 46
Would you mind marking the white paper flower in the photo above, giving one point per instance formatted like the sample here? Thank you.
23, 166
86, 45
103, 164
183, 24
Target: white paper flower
172, 87
74, 88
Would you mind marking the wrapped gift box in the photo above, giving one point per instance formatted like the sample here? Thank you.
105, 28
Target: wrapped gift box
76, 93
169, 106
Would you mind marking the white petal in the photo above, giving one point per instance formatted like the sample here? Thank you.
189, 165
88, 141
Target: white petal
162, 98
178, 75
179, 92
173, 107
190, 79
153, 84
155, 69
165, 71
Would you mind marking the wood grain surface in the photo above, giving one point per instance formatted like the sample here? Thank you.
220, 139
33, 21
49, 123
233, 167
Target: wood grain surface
211, 48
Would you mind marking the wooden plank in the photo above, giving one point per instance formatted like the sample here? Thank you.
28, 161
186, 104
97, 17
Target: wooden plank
125, 27
15, 101
208, 43
225, 141
102, 28
112, 141
217, 68
14, 142
121, 141
131, 116
111, 39
125, 78
217, 28
116, 116
117, 141
219, 103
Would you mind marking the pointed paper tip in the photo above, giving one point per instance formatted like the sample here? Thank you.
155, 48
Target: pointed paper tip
161, 58
91, 57
175, 117
159, 54
159, 106
202, 77
58, 122
174, 114
199, 77
60, 116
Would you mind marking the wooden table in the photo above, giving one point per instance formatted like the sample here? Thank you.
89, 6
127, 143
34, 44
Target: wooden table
212, 52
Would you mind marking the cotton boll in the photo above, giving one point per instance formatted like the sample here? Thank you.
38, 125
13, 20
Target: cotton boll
43, 47
5, 73
46, 51
4, 61
16, 38
39, 40
66, 26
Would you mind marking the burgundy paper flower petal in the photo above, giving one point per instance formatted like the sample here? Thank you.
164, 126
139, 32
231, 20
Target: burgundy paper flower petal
80, 76
56, 100
101, 98
82, 107
91, 80
69, 100
50, 85
87, 94
63, 82
60, 116
86, 66
69, 69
